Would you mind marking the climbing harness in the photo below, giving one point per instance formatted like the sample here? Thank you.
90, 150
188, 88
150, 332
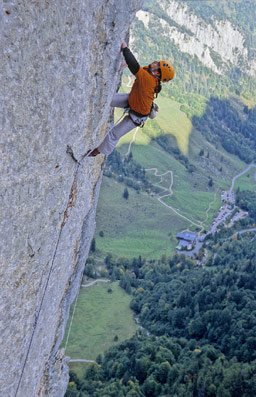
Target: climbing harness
139, 121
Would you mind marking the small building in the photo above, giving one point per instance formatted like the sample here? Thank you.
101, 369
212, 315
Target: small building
184, 246
187, 236
187, 240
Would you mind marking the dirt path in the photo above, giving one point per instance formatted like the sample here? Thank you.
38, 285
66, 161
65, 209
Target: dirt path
81, 360
169, 193
253, 229
99, 280
240, 174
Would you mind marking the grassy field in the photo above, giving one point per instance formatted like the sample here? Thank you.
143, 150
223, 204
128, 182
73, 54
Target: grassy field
99, 316
190, 193
137, 226
142, 225
247, 181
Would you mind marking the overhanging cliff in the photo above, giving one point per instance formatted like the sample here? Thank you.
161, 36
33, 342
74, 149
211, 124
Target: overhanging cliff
60, 66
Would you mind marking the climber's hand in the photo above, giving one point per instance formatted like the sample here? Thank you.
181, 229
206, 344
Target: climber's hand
123, 45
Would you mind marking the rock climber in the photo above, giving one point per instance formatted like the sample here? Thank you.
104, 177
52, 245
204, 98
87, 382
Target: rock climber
139, 101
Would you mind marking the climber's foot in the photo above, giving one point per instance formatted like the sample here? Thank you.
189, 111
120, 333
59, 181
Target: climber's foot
92, 153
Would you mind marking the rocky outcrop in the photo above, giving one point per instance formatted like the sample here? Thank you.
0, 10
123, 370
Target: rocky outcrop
218, 45
60, 65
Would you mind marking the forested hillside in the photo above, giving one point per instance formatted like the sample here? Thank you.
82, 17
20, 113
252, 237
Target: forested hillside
160, 367
230, 124
198, 327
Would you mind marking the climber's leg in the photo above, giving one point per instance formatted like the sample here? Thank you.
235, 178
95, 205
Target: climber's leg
111, 139
113, 136
120, 101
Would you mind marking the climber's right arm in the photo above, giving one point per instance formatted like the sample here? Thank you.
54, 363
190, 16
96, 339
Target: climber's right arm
130, 59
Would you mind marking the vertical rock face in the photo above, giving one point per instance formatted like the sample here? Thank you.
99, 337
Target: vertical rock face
59, 67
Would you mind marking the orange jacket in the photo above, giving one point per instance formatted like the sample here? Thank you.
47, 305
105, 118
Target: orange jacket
142, 93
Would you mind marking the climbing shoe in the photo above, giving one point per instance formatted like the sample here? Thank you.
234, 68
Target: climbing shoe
92, 153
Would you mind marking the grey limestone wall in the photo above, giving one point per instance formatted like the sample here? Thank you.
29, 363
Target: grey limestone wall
59, 67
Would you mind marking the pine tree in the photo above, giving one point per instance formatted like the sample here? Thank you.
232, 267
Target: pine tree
93, 245
126, 194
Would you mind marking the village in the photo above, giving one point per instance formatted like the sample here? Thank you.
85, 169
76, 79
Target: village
190, 243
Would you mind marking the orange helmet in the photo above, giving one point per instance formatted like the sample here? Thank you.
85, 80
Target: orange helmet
167, 71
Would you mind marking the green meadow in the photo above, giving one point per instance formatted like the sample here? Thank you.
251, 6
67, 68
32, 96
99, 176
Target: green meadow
99, 317
142, 225
247, 181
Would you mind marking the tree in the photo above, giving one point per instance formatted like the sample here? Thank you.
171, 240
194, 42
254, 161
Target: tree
72, 390
141, 367
151, 387
93, 245
126, 194
163, 371
89, 270
196, 328
210, 182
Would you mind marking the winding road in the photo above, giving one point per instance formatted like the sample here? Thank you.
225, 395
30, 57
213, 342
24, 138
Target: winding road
253, 229
240, 174
168, 192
